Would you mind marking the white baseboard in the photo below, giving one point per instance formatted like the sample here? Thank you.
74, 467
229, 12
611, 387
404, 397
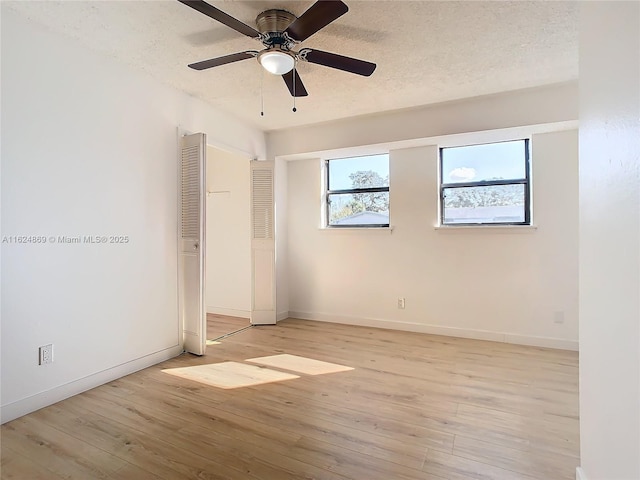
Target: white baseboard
241, 313
40, 400
531, 340
580, 475
547, 342
230, 312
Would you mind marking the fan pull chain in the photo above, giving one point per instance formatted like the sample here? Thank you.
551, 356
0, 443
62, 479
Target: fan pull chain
294, 88
261, 93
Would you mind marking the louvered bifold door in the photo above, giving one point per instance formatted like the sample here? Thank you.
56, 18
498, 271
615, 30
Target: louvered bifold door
263, 246
191, 242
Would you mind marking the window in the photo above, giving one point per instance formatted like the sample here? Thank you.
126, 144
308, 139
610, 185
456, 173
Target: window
485, 184
358, 191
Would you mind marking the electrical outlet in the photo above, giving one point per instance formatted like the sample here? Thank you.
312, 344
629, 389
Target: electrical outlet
45, 354
401, 303
558, 318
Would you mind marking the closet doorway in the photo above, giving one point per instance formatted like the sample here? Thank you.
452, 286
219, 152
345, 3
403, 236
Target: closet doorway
228, 243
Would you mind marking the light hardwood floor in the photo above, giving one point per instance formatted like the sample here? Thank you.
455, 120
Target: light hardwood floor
414, 407
218, 325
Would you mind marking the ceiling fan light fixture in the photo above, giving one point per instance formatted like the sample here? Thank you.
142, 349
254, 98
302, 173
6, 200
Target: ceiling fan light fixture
276, 62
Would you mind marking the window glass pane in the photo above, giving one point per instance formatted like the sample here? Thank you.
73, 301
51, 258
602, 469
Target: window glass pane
493, 204
477, 163
359, 172
359, 208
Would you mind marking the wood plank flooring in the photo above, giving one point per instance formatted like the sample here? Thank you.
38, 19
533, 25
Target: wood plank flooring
218, 325
415, 407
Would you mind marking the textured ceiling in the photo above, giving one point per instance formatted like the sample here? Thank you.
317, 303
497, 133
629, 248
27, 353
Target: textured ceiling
426, 51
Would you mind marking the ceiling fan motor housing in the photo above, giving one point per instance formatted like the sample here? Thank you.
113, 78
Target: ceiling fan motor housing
271, 24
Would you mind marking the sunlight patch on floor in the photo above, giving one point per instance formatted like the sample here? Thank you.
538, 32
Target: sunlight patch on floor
297, 364
213, 342
229, 375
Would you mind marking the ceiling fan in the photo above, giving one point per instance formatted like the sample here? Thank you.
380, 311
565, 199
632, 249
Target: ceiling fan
280, 31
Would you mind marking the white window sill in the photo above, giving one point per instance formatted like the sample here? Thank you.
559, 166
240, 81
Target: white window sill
357, 229
487, 228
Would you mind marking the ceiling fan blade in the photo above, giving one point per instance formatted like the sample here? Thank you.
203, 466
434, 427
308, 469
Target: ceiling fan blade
288, 78
220, 16
215, 62
318, 16
340, 62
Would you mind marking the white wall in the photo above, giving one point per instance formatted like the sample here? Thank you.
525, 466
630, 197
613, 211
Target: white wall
490, 118
282, 239
89, 148
228, 250
543, 105
610, 240
500, 284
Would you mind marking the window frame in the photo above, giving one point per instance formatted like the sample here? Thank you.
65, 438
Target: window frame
328, 192
488, 183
